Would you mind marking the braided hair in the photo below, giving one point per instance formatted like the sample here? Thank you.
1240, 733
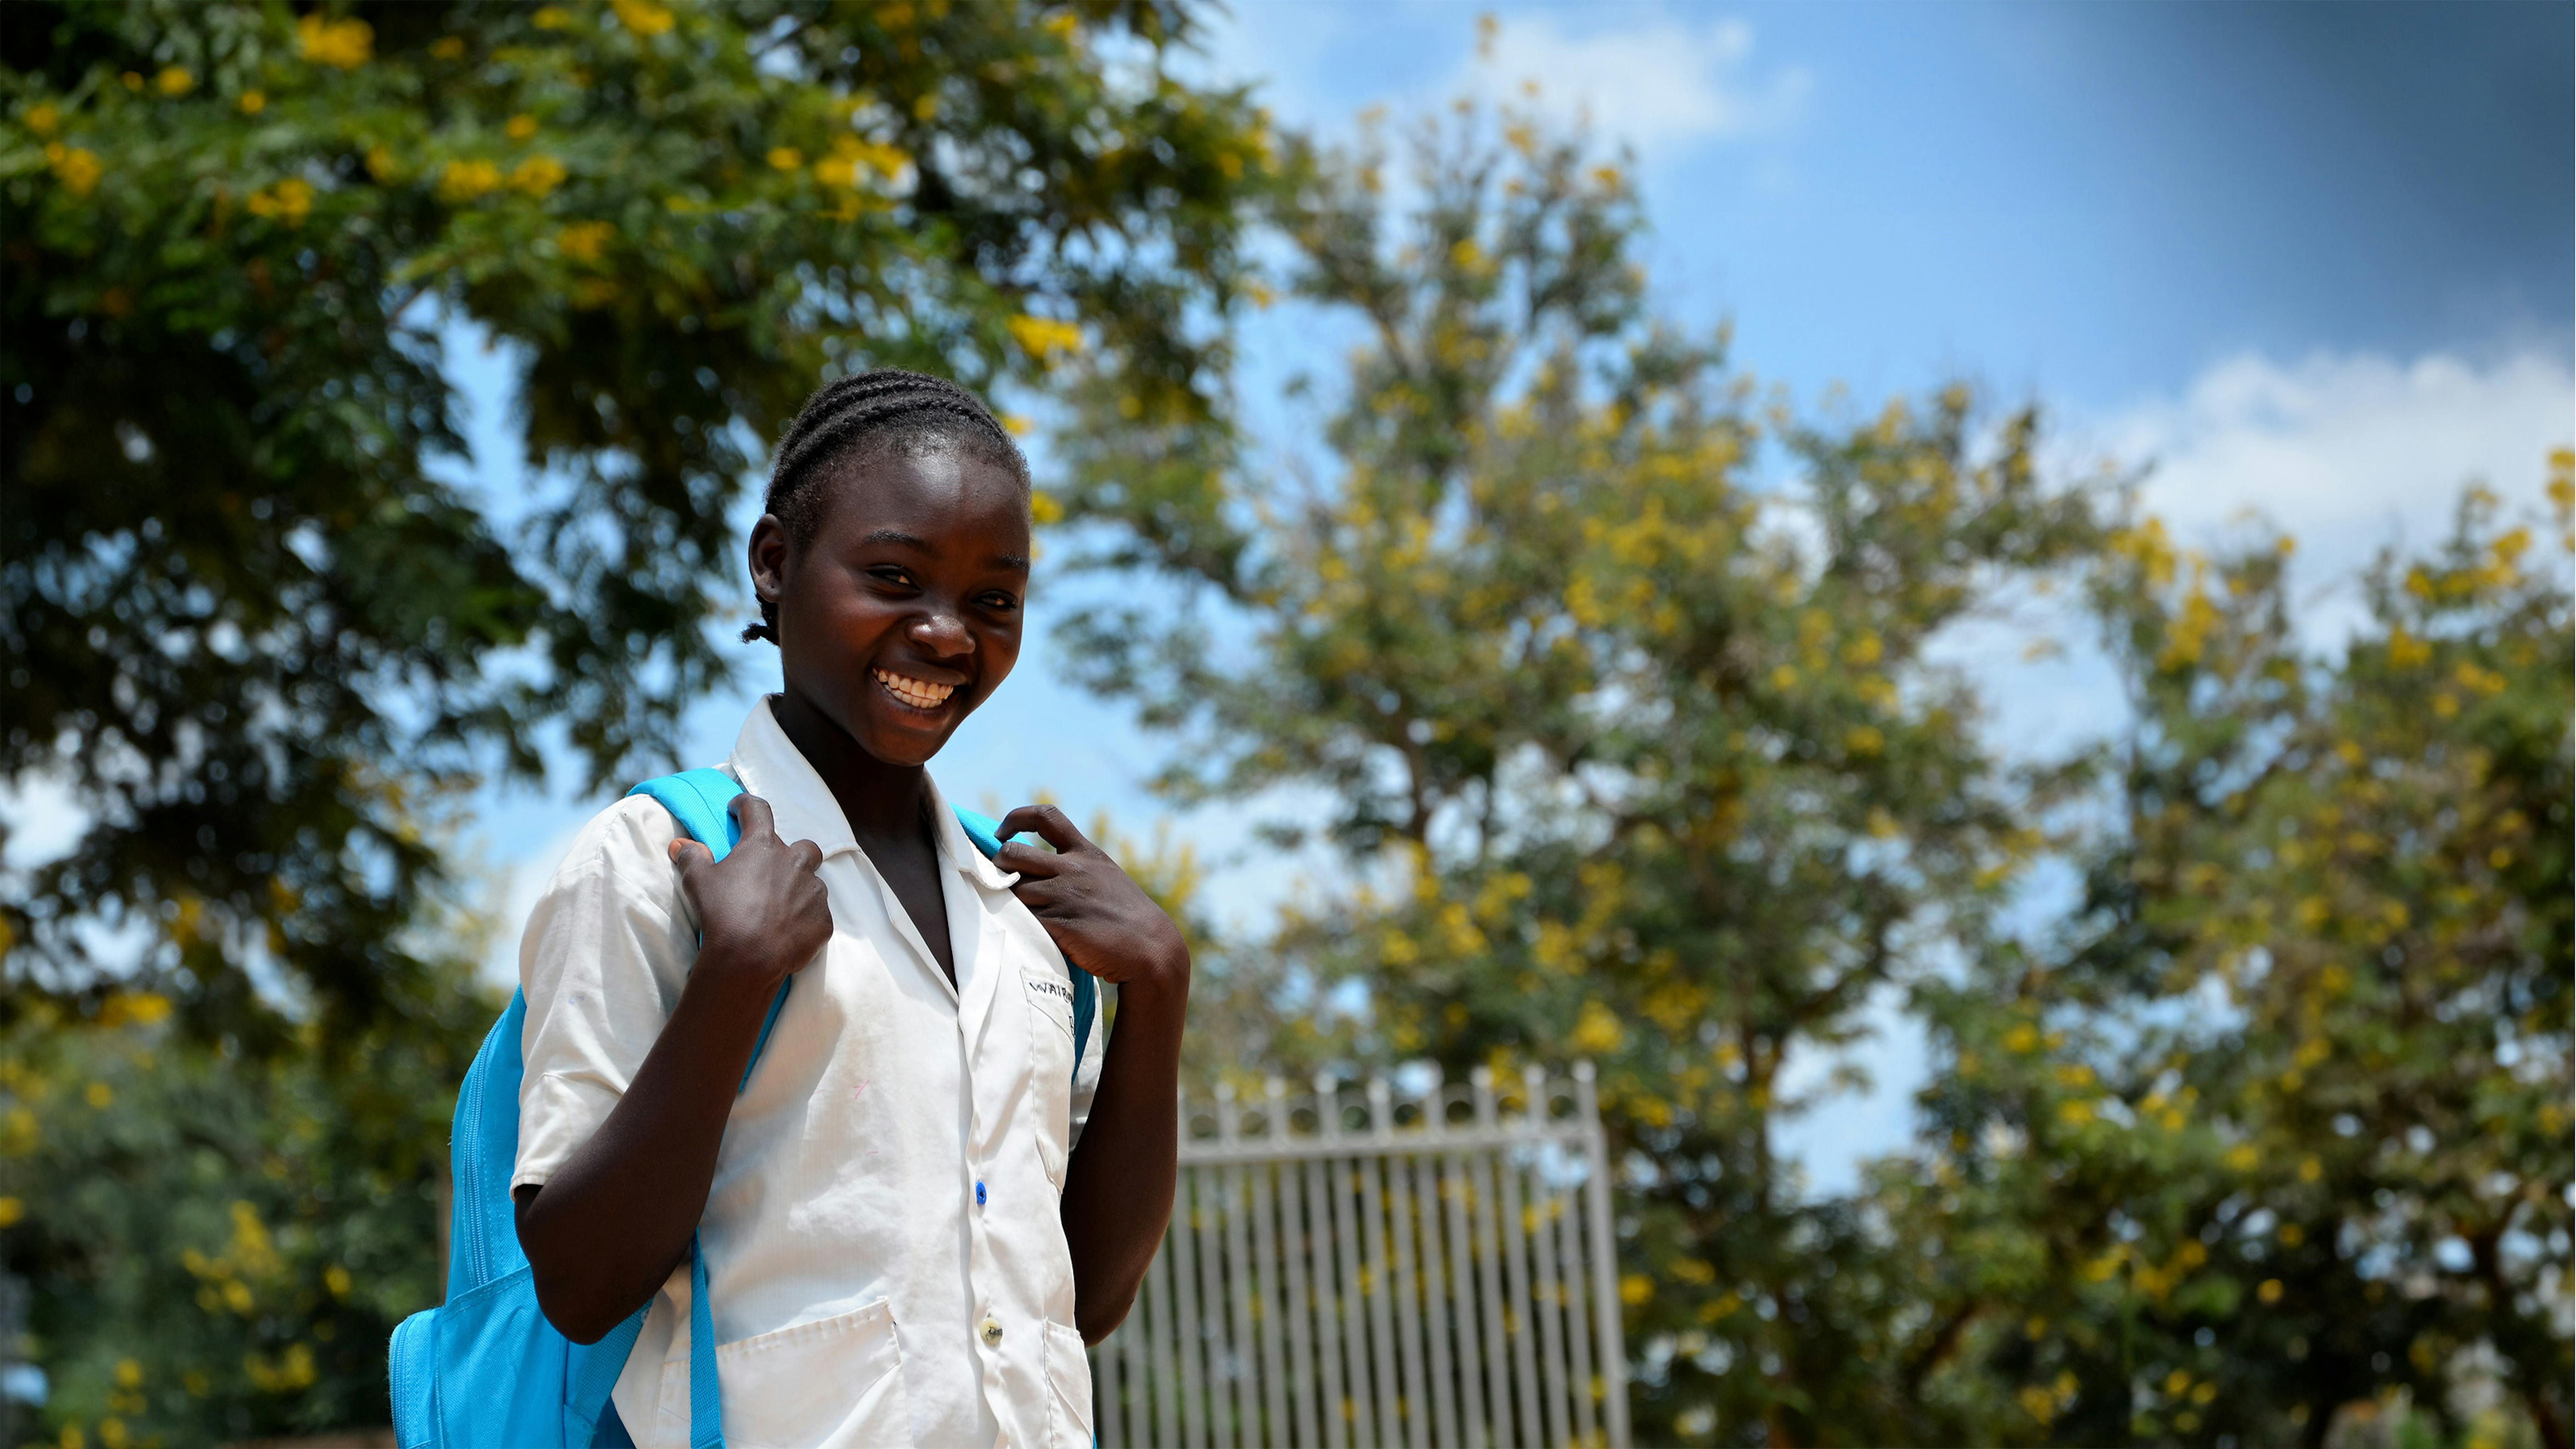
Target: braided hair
860, 416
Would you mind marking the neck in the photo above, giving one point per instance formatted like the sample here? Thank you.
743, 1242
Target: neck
881, 801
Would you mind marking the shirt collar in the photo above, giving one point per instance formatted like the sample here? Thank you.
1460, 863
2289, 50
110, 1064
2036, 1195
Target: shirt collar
770, 766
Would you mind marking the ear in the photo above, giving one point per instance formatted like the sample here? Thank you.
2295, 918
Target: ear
770, 546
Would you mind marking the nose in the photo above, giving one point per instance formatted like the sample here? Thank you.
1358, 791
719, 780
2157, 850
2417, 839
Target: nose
943, 634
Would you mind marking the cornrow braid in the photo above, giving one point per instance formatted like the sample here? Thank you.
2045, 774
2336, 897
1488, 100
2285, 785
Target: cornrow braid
871, 412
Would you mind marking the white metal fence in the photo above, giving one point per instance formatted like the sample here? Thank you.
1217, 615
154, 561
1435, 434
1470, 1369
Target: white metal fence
1380, 1268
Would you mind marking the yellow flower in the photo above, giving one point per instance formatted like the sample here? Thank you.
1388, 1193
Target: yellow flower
785, 158
521, 127
2310, 1169
1597, 1030
1864, 740
2270, 1292
289, 201
538, 175
175, 80
253, 102
2037, 1402
466, 180
75, 166
584, 241
2076, 1113
926, 107
2242, 1157
347, 44
853, 159
1044, 338
1636, 1289
336, 1278
129, 1374
143, 1008
2022, 1038
641, 16
42, 117
1784, 678
99, 1095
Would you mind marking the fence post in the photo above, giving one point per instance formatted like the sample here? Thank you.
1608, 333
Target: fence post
1605, 1257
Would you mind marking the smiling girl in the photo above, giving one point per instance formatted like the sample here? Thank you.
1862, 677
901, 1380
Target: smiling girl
919, 1206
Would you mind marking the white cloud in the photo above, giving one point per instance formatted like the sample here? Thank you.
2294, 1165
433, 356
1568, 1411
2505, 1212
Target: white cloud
1656, 86
2349, 453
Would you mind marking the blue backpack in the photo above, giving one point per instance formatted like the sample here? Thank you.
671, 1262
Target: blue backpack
485, 1368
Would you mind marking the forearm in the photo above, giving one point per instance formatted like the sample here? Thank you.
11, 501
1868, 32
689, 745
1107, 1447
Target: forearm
604, 1232
1118, 1188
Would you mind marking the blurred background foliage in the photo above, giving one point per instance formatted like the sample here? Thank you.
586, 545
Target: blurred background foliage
1618, 675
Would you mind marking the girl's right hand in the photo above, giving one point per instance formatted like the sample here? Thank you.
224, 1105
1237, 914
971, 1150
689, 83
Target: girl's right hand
762, 911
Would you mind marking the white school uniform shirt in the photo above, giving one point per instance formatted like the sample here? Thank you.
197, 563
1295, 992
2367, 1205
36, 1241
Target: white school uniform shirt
885, 1259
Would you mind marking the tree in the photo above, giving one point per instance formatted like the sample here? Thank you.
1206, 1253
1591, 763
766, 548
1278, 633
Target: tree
242, 619
1632, 758
2283, 1129
218, 1246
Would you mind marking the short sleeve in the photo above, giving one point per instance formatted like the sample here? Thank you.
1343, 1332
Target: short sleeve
1086, 1072
607, 949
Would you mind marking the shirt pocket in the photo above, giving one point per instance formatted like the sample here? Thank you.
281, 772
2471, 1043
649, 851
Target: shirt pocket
836, 1383
1048, 994
1068, 1372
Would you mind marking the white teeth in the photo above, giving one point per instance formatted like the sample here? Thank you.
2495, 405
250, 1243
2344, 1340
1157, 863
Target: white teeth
919, 693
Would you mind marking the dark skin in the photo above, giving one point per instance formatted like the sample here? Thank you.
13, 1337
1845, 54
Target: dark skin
918, 570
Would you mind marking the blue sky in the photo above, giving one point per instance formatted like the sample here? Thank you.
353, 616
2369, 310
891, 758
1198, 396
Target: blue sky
2313, 260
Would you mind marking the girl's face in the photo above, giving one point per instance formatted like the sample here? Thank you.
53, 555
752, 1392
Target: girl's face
903, 613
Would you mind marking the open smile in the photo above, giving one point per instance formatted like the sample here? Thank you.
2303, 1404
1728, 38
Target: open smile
915, 694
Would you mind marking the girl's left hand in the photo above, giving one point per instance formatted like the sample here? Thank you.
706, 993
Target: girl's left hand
1101, 920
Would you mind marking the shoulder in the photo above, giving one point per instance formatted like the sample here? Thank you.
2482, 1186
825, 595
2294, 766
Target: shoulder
626, 846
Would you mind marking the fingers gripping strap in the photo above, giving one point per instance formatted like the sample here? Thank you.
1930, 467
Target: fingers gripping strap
986, 833
702, 801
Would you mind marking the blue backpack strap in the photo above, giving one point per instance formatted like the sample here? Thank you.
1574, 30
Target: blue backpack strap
984, 831
706, 1394
702, 801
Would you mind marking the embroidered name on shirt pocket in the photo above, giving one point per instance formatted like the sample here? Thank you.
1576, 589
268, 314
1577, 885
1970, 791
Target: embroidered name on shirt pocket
1051, 1067
836, 1381
1052, 999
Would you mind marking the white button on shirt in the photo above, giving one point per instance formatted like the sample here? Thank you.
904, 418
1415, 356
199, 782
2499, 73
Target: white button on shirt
885, 1259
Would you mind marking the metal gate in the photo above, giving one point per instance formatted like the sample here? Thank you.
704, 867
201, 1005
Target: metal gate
1380, 1268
